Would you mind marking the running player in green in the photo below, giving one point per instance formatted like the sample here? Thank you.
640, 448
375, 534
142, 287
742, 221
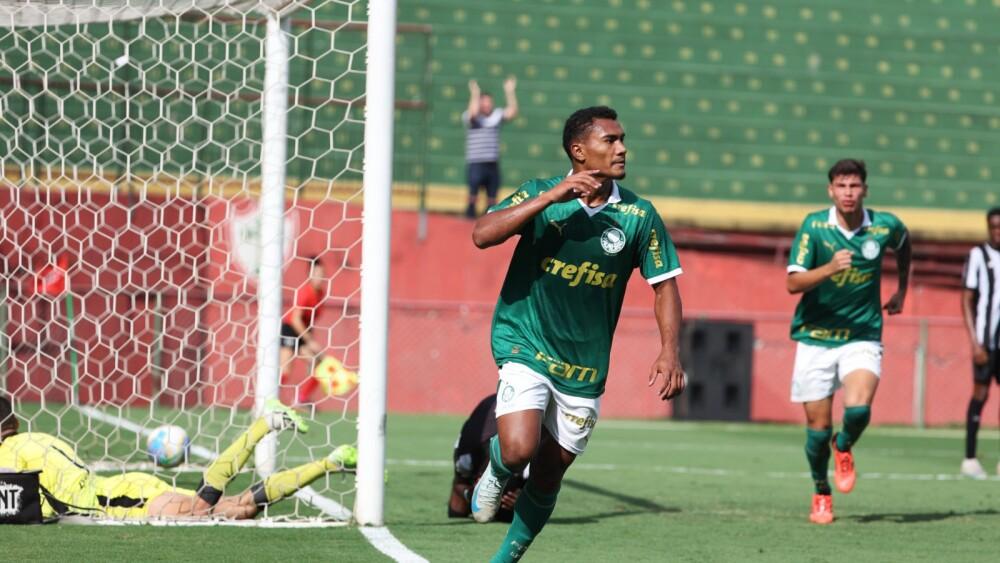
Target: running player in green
836, 264
581, 235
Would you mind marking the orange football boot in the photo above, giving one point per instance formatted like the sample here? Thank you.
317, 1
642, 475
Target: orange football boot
843, 468
822, 509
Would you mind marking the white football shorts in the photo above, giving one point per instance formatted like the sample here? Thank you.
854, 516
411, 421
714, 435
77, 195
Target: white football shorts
570, 420
819, 370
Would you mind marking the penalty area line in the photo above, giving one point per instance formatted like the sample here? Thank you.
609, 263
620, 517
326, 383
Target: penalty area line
380, 537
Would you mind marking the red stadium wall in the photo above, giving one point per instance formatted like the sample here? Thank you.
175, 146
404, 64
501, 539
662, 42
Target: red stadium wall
443, 290
440, 331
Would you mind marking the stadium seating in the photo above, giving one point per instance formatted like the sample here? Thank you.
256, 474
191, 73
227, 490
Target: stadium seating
731, 101
734, 100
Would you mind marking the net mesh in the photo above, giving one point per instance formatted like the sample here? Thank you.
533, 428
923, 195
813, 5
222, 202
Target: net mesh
130, 146
27, 13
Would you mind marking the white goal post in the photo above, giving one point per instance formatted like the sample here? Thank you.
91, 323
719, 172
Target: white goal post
176, 163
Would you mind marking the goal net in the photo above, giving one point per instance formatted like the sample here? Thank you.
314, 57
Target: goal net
170, 170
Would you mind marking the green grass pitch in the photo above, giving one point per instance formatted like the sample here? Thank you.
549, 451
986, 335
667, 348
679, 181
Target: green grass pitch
644, 491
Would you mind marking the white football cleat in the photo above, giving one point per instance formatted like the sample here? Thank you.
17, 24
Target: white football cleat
973, 469
486, 496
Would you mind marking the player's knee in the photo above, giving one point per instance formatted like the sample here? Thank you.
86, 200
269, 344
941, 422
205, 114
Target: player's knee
980, 392
819, 423
517, 453
861, 396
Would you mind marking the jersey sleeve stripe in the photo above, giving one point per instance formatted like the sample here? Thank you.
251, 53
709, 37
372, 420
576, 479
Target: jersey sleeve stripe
664, 277
902, 239
796, 268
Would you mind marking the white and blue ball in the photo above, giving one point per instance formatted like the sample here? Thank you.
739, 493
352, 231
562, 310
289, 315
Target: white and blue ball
167, 446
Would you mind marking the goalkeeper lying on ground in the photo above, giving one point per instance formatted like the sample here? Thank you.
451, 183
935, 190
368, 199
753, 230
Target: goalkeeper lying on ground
69, 487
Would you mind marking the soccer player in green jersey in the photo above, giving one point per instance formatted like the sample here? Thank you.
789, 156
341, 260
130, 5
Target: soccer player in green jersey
836, 264
580, 237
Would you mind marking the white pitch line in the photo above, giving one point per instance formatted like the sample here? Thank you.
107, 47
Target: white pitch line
209, 522
382, 539
687, 426
672, 445
711, 471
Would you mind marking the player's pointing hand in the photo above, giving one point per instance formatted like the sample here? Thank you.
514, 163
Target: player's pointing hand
579, 184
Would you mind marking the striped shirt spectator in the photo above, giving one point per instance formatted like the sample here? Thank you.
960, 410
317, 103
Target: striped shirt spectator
482, 141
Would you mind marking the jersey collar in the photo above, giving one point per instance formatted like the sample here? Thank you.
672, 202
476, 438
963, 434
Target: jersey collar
615, 197
832, 219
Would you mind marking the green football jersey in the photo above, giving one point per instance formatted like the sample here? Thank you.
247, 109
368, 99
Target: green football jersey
564, 288
847, 306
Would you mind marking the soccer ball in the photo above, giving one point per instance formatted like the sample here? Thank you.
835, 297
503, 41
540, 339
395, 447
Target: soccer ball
335, 379
167, 446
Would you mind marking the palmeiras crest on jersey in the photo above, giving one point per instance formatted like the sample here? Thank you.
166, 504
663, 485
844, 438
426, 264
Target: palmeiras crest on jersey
613, 240
870, 249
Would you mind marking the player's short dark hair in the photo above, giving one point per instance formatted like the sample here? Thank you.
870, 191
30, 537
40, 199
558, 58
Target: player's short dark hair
849, 167
994, 211
581, 121
7, 419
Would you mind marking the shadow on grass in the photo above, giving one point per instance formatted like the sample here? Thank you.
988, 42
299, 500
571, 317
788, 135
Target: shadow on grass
915, 518
633, 505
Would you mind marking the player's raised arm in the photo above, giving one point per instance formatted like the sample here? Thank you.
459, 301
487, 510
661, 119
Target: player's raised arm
667, 308
510, 95
472, 111
496, 227
904, 254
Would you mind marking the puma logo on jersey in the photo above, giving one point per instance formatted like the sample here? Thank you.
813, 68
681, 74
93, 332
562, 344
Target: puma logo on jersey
587, 273
830, 245
558, 226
